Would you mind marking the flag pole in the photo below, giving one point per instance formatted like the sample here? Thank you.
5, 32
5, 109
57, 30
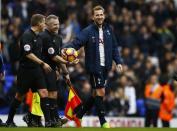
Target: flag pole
68, 82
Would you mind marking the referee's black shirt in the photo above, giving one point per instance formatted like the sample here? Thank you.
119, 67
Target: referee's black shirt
30, 43
52, 44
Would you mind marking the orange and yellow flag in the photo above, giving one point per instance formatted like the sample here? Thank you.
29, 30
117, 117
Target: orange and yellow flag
73, 102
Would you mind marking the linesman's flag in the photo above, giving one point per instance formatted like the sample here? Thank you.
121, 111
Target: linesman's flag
73, 102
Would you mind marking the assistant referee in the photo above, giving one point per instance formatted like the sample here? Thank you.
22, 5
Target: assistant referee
31, 70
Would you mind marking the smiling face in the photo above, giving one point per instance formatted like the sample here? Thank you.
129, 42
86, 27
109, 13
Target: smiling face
98, 16
53, 25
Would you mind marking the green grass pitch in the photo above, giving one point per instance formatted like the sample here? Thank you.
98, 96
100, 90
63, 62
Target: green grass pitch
87, 129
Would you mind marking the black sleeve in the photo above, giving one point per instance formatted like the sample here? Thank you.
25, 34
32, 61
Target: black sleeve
26, 44
60, 46
50, 49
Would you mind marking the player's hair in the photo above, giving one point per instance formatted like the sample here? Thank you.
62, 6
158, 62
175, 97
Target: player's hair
36, 19
51, 17
98, 7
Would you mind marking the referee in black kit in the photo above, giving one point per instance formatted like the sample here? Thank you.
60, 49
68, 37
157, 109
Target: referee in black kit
52, 44
31, 70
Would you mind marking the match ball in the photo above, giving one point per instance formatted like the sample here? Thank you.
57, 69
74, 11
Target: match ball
69, 54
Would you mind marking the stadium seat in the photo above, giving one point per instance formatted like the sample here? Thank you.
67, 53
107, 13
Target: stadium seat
140, 107
9, 79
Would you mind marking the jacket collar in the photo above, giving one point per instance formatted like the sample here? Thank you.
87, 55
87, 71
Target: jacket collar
96, 27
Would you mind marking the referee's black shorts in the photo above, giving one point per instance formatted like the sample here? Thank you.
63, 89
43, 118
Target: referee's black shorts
30, 78
51, 81
98, 80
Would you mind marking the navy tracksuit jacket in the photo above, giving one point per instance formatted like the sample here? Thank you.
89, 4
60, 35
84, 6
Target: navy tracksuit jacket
89, 38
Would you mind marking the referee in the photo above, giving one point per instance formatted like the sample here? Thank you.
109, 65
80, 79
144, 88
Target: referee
52, 44
31, 70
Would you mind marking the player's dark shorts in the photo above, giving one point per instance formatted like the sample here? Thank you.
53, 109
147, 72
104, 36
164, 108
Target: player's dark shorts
30, 78
51, 81
98, 80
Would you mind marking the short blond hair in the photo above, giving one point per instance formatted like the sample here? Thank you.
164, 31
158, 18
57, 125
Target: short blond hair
98, 7
51, 17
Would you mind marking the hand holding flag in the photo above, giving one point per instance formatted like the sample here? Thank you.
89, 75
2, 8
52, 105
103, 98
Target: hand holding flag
73, 102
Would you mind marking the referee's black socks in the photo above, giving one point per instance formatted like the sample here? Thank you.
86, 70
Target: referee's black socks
45, 109
53, 109
100, 108
14, 105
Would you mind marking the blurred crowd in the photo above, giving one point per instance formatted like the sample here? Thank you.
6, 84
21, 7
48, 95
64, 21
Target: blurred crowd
145, 29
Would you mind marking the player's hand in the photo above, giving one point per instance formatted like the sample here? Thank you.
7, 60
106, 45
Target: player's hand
119, 68
46, 68
62, 51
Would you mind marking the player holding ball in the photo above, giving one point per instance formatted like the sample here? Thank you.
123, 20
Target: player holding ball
101, 48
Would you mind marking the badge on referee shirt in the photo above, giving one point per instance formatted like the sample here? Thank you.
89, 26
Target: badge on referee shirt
51, 50
27, 47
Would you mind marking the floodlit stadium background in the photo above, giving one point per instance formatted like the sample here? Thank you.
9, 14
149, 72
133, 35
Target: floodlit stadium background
147, 35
